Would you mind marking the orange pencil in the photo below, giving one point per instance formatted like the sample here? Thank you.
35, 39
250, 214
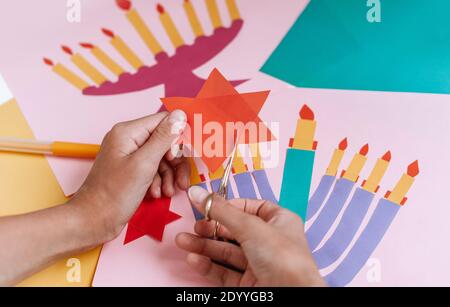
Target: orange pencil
59, 149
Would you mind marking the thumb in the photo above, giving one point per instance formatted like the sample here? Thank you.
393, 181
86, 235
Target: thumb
240, 224
162, 139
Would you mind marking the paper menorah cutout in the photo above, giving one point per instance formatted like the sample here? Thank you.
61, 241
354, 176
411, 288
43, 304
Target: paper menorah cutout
328, 201
174, 71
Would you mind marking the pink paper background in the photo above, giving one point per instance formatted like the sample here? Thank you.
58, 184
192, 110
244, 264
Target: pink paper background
412, 126
57, 111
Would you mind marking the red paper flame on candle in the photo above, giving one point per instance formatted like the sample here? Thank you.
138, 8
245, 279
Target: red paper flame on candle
67, 50
160, 8
306, 113
413, 169
364, 150
387, 156
87, 45
343, 144
124, 4
48, 62
108, 33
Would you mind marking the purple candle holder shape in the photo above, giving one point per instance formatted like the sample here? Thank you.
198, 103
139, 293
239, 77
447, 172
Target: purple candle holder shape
319, 196
215, 185
366, 244
330, 212
244, 184
264, 187
175, 72
353, 216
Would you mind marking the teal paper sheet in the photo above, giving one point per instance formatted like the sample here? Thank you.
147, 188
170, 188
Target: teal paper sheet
297, 181
332, 45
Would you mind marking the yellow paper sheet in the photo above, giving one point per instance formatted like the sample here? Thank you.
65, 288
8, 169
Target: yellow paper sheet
27, 184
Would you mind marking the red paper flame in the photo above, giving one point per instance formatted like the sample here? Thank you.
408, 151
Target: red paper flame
87, 45
387, 156
343, 144
413, 169
67, 50
306, 113
160, 8
124, 4
48, 62
108, 33
364, 150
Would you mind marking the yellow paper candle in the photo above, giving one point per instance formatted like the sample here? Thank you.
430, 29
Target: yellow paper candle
233, 9
306, 129
337, 158
85, 66
103, 58
357, 164
170, 27
239, 166
140, 26
217, 174
256, 157
193, 19
214, 13
398, 195
196, 178
123, 49
67, 75
372, 183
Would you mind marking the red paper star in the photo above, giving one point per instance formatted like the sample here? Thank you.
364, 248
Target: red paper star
150, 219
219, 102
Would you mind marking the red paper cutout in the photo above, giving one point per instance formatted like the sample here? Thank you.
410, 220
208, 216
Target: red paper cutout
150, 219
219, 102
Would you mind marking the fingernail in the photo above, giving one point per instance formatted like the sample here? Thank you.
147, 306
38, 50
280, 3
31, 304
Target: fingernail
197, 194
178, 121
175, 150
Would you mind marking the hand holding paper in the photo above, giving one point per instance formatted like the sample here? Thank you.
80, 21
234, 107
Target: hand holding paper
137, 149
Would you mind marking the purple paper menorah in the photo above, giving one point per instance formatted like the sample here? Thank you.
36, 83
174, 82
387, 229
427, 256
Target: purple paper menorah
338, 200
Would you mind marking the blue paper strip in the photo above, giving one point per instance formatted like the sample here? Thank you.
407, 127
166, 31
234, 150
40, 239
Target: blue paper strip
245, 186
264, 188
318, 198
366, 244
353, 216
215, 184
329, 213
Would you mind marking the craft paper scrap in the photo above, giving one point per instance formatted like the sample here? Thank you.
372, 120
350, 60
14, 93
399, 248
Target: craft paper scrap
335, 44
220, 104
150, 219
27, 184
118, 42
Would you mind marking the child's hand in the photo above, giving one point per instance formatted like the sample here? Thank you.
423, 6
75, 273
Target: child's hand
136, 160
273, 250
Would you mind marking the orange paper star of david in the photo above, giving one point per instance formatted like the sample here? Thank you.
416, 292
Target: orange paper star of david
220, 103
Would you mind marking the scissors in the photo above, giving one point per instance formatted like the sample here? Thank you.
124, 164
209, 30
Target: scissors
222, 192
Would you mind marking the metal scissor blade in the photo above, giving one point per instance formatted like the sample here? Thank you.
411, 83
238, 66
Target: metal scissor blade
226, 176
